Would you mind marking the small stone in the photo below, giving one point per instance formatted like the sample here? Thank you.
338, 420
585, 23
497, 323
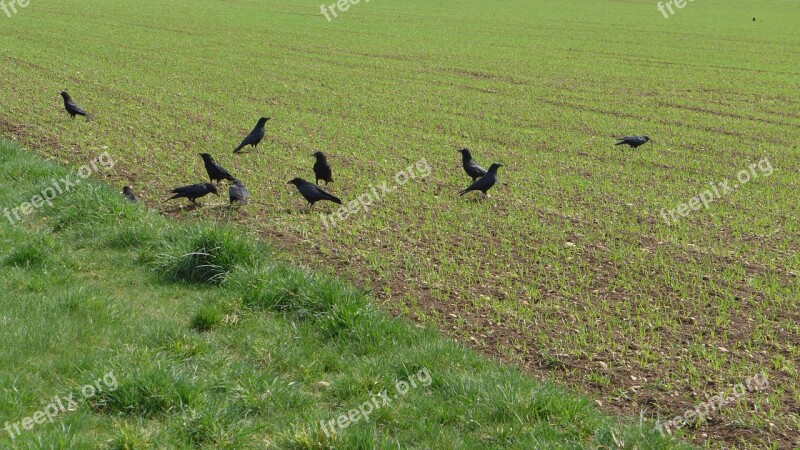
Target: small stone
722, 349
323, 384
569, 244
598, 403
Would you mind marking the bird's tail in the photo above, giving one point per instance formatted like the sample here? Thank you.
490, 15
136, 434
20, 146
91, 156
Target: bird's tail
463, 192
241, 146
174, 197
620, 142
333, 198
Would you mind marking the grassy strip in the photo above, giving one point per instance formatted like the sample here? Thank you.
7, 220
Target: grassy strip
212, 341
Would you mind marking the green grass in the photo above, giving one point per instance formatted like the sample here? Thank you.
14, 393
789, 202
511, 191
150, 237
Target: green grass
568, 265
252, 353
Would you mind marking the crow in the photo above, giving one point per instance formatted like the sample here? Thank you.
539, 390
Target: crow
238, 193
485, 182
311, 192
127, 192
72, 108
255, 136
322, 170
470, 166
633, 141
215, 171
194, 191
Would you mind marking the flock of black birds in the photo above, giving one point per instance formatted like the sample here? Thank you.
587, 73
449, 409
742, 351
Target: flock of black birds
482, 180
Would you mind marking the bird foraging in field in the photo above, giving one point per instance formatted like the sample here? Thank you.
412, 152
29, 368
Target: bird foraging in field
72, 108
311, 192
238, 193
194, 191
127, 192
254, 137
322, 170
215, 171
485, 182
633, 141
470, 166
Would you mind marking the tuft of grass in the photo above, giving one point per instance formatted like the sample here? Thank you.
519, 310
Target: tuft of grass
151, 391
204, 254
207, 317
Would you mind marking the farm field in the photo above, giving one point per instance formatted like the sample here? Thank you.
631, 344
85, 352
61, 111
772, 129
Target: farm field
569, 270
125, 330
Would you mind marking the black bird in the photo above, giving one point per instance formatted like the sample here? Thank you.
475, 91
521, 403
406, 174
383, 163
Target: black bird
322, 170
311, 192
194, 191
72, 108
215, 171
485, 182
238, 193
633, 141
127, 192
255, 136
470, 166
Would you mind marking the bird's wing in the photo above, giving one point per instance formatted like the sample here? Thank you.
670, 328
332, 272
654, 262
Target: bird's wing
77, 108
475, 167
248, 140
237, 193
480, 184
312, 192
222, 171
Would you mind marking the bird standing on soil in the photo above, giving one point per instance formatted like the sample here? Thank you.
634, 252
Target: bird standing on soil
238, 193
485, 182
194, 191
127, 192
255, 136
215, 171
311, 192
322, 170
633, 141
470, 166
72, 108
